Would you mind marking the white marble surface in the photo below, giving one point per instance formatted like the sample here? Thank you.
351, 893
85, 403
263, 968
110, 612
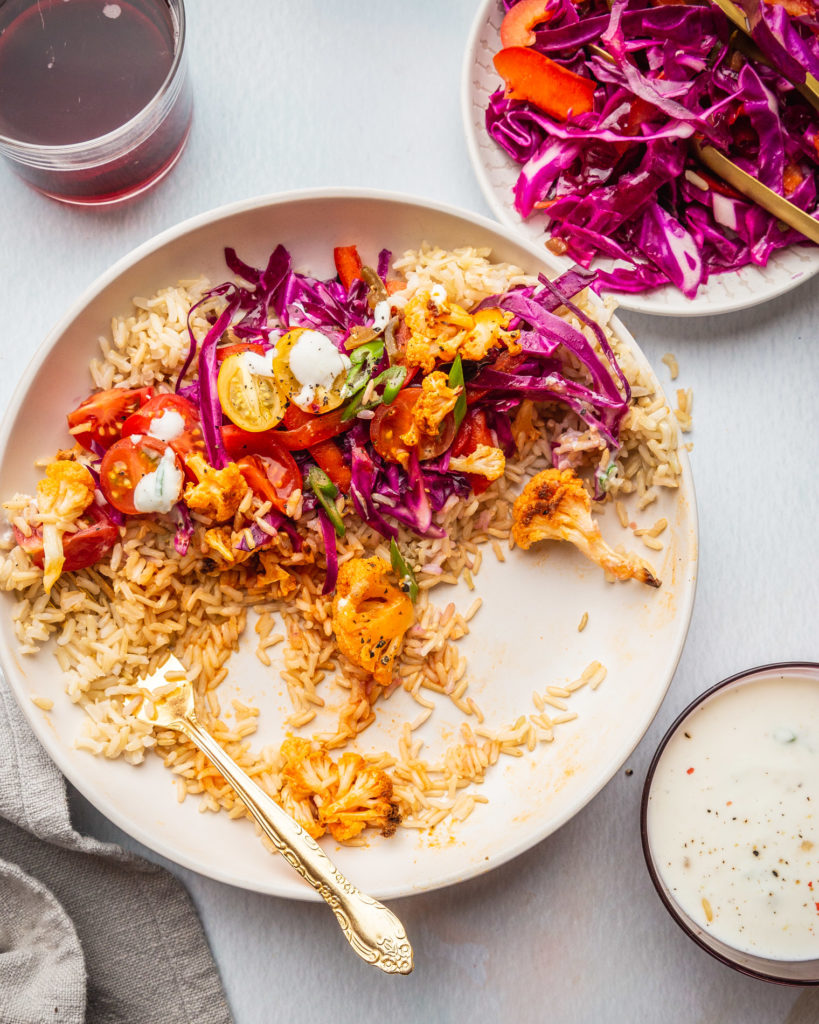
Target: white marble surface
301, 93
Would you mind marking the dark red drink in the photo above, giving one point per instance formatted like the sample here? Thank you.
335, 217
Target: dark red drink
94, 104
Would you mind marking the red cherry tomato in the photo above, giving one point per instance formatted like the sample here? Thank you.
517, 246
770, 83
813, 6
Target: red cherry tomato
124, 465
190, 440
392, 421
81, 549
273, 480
99, 418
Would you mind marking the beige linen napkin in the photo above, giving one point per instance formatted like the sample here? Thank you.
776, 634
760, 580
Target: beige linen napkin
88, 932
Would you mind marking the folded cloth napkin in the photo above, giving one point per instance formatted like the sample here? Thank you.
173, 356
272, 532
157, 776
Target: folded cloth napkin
88, 932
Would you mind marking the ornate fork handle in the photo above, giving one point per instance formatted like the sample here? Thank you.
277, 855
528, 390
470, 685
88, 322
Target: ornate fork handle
374, 932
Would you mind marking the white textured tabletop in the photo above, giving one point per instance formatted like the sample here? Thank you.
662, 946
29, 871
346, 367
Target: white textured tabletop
304, 93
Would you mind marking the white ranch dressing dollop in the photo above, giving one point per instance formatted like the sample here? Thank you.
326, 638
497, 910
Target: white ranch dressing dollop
159, 491
168, 426
315, 362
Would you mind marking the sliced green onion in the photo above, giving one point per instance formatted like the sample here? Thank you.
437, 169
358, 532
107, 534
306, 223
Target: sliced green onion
326, 492
364, 360
402, 570
456, 380
392, 378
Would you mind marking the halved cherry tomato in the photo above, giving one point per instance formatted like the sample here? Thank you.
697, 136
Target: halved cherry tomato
328, 457
190, 440
124, 464
99, 418
392, 421
251, 401
272, 479
223, 351
81, 549
348, 264
473, 431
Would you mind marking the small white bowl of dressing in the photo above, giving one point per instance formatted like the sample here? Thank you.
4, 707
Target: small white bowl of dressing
730, 822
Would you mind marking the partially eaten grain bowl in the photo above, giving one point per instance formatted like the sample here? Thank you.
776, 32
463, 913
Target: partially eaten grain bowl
321, 465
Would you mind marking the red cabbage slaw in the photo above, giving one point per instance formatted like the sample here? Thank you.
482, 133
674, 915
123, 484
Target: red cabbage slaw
620, 182
382, 493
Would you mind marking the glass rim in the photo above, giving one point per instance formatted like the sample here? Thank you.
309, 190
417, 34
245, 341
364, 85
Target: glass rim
17, 149
766, 971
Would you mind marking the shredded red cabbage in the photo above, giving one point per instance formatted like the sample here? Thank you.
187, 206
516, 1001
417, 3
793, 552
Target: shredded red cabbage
620, 181
328, 535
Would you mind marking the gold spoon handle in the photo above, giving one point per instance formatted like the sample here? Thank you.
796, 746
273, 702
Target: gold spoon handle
374, 932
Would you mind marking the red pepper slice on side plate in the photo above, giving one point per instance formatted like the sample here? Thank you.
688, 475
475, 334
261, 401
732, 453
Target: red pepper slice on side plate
518, 22
99, 419
555, 90
81, 549
328, 457
348, 264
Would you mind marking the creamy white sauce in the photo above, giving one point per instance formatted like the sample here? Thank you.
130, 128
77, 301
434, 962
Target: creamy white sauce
315, 362
733, 817
258, 365
168, 426
159, 491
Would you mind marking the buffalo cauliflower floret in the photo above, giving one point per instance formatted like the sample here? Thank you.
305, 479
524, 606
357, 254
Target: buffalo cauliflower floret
342, 798
485, 461
555, 505
435, 403
370, 616
439, 331
218, 493
64, 493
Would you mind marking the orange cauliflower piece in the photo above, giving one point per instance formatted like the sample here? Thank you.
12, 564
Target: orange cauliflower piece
343, 798
370, 616
485, 461
439, 331
435, 403
218, 493
64, 493
555, 505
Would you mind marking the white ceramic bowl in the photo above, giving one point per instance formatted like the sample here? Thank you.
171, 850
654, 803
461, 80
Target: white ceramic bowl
524, 638
497, 174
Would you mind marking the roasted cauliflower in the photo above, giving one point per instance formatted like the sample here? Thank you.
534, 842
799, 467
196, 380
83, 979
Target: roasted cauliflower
371, 614
341, 798
441, 330
435, 403
64, 493
218, 493
485, 461
555, 505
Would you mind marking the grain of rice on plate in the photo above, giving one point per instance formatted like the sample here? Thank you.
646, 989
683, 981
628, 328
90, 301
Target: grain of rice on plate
547, 404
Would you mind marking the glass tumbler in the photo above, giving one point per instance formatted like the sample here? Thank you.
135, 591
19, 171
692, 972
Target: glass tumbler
95, 104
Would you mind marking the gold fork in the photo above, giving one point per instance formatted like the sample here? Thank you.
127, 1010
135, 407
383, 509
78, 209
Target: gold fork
374, 932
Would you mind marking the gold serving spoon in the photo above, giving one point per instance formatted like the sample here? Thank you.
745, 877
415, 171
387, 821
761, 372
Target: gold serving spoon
374, 932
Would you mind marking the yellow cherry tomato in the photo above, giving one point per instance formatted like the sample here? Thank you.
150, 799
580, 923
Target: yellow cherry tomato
317, 399
252, 401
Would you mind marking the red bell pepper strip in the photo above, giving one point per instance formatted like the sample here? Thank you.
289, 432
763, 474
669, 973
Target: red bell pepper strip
348, 264
328, 457
473, 431
555, 90
518, 22
223, 351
